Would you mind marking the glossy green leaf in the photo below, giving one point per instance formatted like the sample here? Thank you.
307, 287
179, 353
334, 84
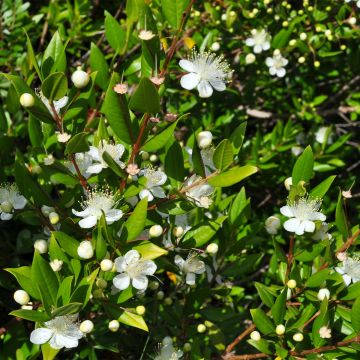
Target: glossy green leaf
136, 222
158, 141
174, 162
320, 190
98, 63
279, 309
54, 58
83, 290
67, 309
303, 168
55, 86
223, 155
31, 315
262, 321
149, 251
145, 98
232, 176
77, 144
134, 320
23, 277
173, 11
114, 33
265, 295
68, 243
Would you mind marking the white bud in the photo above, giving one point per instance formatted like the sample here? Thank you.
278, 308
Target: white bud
46, 210
280, 330
101, 283
287, 183
153, 158
155, 231
204, 139
301, 59
224, 17
327, 32
276, 52
86, 326
80, 78
41, 246
178, 231
298, 337
56, 264
292, 42
167, 340
255, 335
352, 21
303, 36
6, 207
21, 297
250, 58
215, 46
291, 284
341, 256
85, 250
106, 265
323, 293
27, 100
212, 248
160, 295
140, 310
201, 328
114, 325
272, 225
54, 218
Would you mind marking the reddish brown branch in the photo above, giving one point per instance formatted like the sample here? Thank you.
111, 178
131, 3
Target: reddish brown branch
245, 333
349, 242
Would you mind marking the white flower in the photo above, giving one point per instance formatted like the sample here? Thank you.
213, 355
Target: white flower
206, 71
62, 137
155, 178
83, 162
350, 271
115, 151
272, 225
277, 64
56, 264
168, 352
133, 269
10, 200
146, 35
97, 202
302, 213
62, 331
321, 233
58, 104
321, 134
49, 160
260, 40
190, 267
200, 193
325, 332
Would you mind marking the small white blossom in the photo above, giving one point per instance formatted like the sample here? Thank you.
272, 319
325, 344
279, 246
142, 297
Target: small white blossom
204, 139
260, 40
62, 137
190, 267
56, 264
155, 178
350, 271
85, 250
321, 134
272, 225
200, 193
133, 269
276, 64
206, 71
250, 58
322, 232
323, 293
10, 200
49, 160
96, 152
325, 332
168, 352
146, 35
83, 162
62, 331
297, 150
97, 202
302, 214
58, 104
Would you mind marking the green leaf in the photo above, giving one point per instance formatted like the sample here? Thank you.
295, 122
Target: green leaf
136, 222
113, 165
145, 98
262, 321
158, 141
115, 34
77, 144
48, 353
134, 320
117, 113
55, 86
263, 345
67, 309
320, 190
83, 290
232, 176
173, 11
174, 162
238, 206
266, 297
318, 278
100, 239
303, 168
223, 155
237, 137
279, 309
23, 277
340, 217
149, 251
64, 292
31, 315
197, 160
67, 243
281, 38
32, 57
99, 64
54, 58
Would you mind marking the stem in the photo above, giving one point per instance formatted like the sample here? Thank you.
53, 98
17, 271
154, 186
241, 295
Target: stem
290, 257
349, 242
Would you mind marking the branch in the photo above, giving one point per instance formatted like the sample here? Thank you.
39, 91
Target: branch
349, 242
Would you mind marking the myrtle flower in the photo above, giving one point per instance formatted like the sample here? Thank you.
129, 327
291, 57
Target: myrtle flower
133, 269
146, 35
325, 332
191, 266
62, 137
168, 352
115, 151
260, 40
350, 271
62, 331
199, 194
155, 178
58, 104
302, 213
83, 162
206, 71
322, 232
10, 200
97, 202
277, 64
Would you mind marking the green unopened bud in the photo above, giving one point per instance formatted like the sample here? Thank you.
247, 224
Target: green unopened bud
201, 328
140, 310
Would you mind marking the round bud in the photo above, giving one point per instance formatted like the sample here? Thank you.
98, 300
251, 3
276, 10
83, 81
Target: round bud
215, 46
56, 264
201, 328
232, 13
54, 218
301, 59
272, 225
267, 2
46, 210
153, 158
106, 265
178, 231
352, 21
204, 139
160, 295
280, 330
6, 207
327, 32
250, 58
298, 337
303, 36
27, 100
310, 8
98, 294
167, 340
285, 24
301, 12
323, 293
154, 285
187, 347
80, 78
270, 11
223, 17
292, 42
168, 301
86, 326
140, 310
145, 155
41, 246
255, 335
114, 325
317, 64
287, 183
36, 169
21, 297
155, 231
291, 284
101, 283
85, 250
212, 248
276, 52
343, 47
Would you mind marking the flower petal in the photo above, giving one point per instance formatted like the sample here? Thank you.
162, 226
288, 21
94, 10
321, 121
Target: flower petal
6, 216
121, 281
250, 42
140, 282
94, 153
132, 257
280, 72
83, 213
218, 84
120, 264
292, 225
190, 81
19, 202
269, 62
287, 211
317, 216
179, 261
146, 193
309, 226
158, 192
88, 222
95, 168
66, 341
205, 89
113, 215
40, 336
190, 278
149, 267
257, 49
187, 65
347, 279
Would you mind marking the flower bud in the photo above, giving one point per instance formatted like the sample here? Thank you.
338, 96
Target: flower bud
54, 218
280, 330
155, 231
201, 328
85, 250
145, 155
317, 64
160, 295
168, 301
154, 285
187, 347
153, 158
250, 58
56, 264
41, 246
106, 265
80, 78
291, 284
21, 297
212, 248
303, 36
27, 100
255, 335
178, 231
301, 59
140, 310
215, 46
6, 207
86, 326
352, 21
341, 256
101, 283
98, 294
204, 139
292, 42
46, 210
298, 337
323, 293
167, 340
327, 32
114, 325
272, 225
287, 183
36, 169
